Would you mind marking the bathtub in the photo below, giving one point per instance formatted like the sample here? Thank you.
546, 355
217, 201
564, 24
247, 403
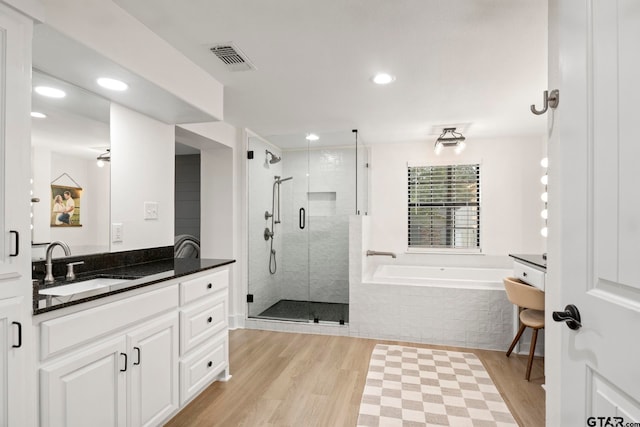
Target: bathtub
456, 277
454, 306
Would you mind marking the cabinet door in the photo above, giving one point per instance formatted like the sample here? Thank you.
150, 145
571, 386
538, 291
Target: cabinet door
153, 379
15, 124
12, 362
87, 388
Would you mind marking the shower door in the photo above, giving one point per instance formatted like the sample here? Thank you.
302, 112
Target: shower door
278, 242
301, 272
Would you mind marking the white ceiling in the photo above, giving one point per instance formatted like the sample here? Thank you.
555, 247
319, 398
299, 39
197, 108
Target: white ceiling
479, 63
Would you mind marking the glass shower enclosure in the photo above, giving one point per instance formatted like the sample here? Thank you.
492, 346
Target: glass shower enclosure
301, 194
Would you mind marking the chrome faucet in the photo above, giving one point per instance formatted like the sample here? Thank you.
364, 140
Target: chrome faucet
391, 254
48, 278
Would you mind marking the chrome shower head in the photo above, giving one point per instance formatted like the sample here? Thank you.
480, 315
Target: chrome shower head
274, 158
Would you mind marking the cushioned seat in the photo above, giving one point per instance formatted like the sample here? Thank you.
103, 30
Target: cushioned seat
531, 302
532, 318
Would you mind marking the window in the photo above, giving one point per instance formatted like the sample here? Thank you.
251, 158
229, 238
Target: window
444, 207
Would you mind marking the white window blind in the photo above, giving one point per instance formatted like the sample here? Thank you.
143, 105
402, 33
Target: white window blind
444, 206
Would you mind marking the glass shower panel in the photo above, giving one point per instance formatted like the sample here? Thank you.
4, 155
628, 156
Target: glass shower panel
331, 200
362, 179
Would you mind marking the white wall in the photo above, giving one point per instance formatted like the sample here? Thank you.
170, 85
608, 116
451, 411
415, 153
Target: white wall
142, 170
510, 198
222, 229
93, 236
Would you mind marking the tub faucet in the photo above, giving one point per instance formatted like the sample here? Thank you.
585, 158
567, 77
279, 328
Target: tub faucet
48, 278
391, 254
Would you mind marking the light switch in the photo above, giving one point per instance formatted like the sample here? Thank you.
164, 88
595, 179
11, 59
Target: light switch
116, 232
150, 210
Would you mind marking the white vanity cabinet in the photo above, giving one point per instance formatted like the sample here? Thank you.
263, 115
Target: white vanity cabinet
138, 360
128, 378
531, 269
12, 361
204, 336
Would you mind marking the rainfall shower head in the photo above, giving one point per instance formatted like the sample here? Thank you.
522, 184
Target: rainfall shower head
274, 158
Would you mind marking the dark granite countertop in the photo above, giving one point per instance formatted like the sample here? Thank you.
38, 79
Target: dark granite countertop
535, 260
134, 276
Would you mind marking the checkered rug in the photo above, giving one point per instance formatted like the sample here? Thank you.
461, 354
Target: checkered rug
409, 386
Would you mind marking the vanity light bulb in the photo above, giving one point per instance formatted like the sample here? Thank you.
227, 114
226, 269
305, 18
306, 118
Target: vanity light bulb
544, 231
544, 214
544, 162
438, 148
544, 197
32, 226
544, 179
100, 163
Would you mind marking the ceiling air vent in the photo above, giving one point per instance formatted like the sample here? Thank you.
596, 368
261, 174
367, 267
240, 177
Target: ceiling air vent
232, 57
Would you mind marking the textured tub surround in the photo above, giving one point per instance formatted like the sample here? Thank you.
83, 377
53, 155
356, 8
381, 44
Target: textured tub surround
465, 307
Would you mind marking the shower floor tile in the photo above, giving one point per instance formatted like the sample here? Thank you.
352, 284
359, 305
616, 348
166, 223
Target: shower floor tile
304, 310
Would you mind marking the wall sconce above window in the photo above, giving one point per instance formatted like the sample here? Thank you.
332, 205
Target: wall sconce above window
104, 157
450, 138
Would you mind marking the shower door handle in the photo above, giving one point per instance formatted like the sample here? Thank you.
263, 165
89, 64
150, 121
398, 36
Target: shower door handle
301, 218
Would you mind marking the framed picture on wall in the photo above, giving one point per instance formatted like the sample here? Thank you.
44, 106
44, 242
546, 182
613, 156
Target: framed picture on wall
65, 206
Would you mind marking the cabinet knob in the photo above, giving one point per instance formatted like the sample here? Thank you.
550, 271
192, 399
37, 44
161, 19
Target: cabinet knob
209, 286
210, 364
210, 319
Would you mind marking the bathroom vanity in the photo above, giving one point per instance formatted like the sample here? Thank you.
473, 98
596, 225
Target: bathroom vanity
531, 269
135, 352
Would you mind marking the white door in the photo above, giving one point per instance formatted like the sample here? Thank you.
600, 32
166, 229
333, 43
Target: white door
153, 378
15, 125
593, 373
87, 388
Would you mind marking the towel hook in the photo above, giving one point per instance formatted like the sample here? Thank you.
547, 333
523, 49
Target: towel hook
549, 101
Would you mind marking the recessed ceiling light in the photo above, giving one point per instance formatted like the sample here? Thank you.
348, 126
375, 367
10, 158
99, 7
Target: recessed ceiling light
51, 92
312, 137
383, 78
112, 84
38, 115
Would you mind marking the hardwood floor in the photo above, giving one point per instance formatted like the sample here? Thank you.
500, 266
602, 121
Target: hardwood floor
287, 379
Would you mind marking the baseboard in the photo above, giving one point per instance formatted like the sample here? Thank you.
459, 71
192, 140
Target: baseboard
236, 321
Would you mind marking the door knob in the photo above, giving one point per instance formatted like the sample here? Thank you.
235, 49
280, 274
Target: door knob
571, 315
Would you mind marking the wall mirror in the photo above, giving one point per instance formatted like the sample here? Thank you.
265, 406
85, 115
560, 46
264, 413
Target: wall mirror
79, 126
69, 133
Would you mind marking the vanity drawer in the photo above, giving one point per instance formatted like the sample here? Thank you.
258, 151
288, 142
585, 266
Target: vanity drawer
191, 290
529, 275
197, 370
68, 331
201, 321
